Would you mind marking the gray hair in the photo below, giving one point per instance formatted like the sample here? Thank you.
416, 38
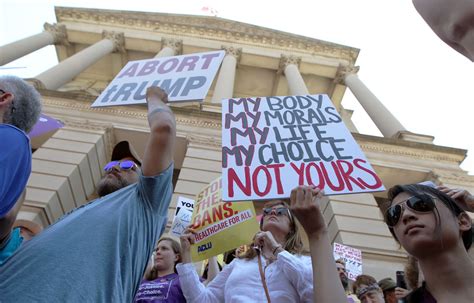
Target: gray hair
26, 103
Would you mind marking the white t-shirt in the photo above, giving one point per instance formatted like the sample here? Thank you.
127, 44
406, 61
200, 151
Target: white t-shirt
289, 279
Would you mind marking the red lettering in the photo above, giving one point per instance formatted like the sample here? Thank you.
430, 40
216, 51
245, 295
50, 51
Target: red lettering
309, 179
232, 178
206, 218
346, 174
378, 182
228, 211
255, 181
340, 187
300, 172
217, 213
276, 168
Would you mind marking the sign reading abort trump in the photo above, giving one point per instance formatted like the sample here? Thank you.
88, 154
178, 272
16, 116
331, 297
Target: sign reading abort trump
272, 144
184, 78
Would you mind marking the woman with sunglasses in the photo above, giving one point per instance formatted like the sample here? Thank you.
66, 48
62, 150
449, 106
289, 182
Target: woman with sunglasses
275, 256
161, 283
432, 228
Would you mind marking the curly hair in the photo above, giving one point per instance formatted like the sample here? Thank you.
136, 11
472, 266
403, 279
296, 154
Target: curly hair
25, 109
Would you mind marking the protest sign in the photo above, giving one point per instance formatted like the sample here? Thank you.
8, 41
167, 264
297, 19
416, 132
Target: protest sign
352, 257
220, 226
270, 145
182, 216
184, 78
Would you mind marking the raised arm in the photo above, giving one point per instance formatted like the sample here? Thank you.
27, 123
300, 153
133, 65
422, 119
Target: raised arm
463, 198
159, 148
305, 205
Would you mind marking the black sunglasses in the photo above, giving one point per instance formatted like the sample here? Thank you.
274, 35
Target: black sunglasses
421, 204
278, 211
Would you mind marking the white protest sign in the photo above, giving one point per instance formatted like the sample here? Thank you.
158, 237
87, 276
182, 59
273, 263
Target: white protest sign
184, 78
352, 257
270, 145
182, 216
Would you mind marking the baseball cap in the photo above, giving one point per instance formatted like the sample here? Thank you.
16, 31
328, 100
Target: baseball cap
124, 149
387, 284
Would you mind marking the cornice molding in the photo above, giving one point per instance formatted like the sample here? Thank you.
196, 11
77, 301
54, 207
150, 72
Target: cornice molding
185, 117
457, 177
211, 28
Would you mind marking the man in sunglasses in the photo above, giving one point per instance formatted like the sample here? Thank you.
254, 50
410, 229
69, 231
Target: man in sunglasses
20, 106
98, 252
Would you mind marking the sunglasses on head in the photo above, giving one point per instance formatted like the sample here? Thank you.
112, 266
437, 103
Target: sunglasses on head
421, 204
124, 165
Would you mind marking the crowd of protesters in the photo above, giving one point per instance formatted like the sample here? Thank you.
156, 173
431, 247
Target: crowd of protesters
112, 249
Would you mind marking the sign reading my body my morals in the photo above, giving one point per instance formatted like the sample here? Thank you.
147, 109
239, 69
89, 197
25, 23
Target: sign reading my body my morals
220, 226
352, 257
184, 78
270, 145
182, 216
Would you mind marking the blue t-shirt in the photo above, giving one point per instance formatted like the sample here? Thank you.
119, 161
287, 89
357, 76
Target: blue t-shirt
15, 165
97, 253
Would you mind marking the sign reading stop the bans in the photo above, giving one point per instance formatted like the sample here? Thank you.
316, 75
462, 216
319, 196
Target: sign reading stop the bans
184, 78
270, 145
220, 226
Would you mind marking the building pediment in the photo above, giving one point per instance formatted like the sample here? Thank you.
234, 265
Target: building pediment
206, 27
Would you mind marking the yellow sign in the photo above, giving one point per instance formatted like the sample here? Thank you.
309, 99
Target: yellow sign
220, 226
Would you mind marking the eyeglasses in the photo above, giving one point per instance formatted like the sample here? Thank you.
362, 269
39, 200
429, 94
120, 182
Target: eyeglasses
278, 211
124, 165
421, 204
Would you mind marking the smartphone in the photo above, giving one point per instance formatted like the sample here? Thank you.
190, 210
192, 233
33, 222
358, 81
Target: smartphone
401, 279
401, 283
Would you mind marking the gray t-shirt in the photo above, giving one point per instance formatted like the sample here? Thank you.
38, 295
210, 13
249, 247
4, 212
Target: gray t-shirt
97, 253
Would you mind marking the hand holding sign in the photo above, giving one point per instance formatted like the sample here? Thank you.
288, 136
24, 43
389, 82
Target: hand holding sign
305, 206
155, 93
186, 240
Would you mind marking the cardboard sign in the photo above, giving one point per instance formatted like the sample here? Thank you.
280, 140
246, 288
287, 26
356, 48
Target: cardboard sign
182, 216
352, 257
220, 226
184, 78
270, 145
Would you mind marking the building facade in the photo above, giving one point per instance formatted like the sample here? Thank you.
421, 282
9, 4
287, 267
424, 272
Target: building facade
93, 45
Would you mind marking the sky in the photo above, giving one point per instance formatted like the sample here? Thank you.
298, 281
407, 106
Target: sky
427, 85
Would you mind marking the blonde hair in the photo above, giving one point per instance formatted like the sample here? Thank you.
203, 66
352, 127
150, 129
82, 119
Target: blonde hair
293, 243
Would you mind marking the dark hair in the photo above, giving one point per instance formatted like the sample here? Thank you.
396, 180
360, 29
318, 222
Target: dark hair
176, 247
416, 189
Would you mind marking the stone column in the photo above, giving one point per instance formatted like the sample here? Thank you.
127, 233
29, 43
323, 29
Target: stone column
170, 47
66, 70
225, 81
289, 66
53, 34
385, 121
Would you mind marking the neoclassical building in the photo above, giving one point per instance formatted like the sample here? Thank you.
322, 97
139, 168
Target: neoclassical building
93, 45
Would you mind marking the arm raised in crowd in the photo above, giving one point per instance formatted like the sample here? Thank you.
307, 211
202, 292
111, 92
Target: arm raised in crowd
159, 148
305, 204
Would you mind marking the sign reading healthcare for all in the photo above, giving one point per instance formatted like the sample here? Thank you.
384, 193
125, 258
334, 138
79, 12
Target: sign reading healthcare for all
352, 257
270, 145
184, 78
220, 226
